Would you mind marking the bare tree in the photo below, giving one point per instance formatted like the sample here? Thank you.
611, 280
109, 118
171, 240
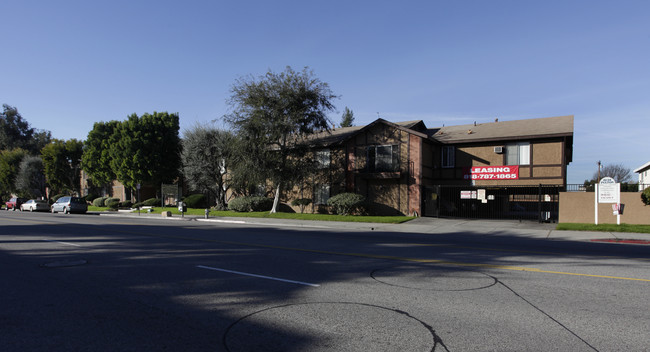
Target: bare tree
616, 171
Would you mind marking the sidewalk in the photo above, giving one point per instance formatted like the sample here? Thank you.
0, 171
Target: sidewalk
424, 225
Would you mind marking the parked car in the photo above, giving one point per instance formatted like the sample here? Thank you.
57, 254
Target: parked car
14, 203
35, 205
69, 205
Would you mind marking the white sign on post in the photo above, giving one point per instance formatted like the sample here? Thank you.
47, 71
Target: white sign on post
608, 191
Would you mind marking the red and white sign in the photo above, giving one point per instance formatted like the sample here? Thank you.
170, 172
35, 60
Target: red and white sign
510, 172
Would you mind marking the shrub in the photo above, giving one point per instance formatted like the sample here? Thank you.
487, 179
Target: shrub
346, 203
100, 202
645, 196
301, 202
91, 197
151, 202
245, 204
113, 203
196, 201
126, 204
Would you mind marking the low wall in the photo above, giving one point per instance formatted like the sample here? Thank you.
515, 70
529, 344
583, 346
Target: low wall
578, 207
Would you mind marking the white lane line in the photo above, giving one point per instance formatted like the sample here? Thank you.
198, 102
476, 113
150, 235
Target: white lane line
258, 276
66, 243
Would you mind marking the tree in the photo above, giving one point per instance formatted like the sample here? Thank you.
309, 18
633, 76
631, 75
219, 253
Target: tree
205, 156
616, 171
95, 160
146, 149
272, 115
347, 120
9, 166
30, 180
62, 164
15, 132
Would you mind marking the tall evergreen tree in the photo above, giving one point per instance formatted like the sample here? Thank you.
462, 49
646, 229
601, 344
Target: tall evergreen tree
347, 119
272, 115
206, 157
9, 165
62, 164
95, 160
30, 180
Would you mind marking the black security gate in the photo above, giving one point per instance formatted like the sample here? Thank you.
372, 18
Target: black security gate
503, 202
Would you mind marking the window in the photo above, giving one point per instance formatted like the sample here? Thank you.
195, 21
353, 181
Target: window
383, 158
321, 193
448, 156
518, 154
322, 159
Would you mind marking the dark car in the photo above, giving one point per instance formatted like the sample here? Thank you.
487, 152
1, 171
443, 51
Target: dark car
69, 205
15, 203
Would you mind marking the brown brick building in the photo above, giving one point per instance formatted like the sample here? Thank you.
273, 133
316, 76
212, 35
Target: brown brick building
397, 166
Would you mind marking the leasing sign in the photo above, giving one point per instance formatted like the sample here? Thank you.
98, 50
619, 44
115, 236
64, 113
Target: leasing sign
510, 172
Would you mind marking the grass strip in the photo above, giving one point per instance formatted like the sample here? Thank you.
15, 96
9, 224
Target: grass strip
266, 215
604, 227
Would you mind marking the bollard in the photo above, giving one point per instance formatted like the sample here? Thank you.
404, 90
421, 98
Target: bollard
207, 212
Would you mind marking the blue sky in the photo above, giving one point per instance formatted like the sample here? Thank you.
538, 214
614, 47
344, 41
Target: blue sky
67, 64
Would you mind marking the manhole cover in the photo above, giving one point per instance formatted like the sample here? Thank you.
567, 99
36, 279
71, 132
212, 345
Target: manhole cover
63, 263
438, 278
333, 326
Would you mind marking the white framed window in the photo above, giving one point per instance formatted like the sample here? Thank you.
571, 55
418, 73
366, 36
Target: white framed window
518, 153
448, 156
321, 193
383, 158
322, 158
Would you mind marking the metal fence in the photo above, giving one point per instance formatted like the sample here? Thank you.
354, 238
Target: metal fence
625, 187
539, 203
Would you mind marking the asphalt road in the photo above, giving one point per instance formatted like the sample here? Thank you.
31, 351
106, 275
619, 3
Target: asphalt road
91, 283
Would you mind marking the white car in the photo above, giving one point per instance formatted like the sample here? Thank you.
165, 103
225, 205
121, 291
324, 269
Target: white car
35, 205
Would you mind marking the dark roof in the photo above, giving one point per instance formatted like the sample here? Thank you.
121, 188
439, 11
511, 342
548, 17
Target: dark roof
560, 126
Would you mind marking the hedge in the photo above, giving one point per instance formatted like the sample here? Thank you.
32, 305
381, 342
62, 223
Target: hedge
196, 201
346, 203
246, 204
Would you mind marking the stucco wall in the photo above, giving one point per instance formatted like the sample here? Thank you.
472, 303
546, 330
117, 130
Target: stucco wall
578, 207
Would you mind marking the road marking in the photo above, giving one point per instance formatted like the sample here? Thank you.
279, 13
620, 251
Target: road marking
257, 276
66, 243
372, 256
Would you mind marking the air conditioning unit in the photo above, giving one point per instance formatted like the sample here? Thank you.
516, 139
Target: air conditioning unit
498, 150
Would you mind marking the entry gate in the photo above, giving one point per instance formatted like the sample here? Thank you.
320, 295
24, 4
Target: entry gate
503, 202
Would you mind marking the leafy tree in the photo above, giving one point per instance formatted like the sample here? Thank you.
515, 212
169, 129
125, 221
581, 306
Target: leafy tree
146, 149
15, 132
9, 166
96, 161
62, 164
30, 180
272, 115
347, 120
205, 157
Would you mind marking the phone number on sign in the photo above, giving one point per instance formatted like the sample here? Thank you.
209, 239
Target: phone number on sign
492, 176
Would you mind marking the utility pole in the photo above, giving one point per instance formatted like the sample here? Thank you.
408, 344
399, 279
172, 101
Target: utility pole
598, 171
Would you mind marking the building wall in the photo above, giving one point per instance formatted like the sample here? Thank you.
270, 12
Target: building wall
578, 207
547, 163
389, 193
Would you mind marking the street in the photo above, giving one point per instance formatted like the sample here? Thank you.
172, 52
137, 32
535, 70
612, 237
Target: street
99, 283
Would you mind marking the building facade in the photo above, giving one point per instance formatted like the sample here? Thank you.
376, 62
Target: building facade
644, 175
400, 167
